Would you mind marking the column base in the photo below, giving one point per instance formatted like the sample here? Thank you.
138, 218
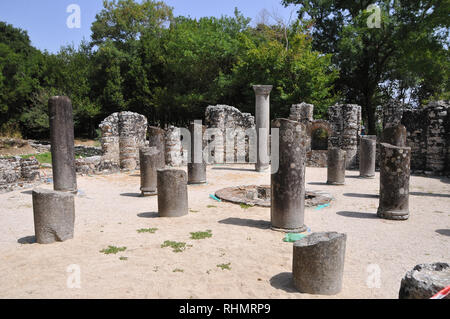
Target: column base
197, 183
393, 215
367, 176
335, 183
302, 229
149, 194
262, 169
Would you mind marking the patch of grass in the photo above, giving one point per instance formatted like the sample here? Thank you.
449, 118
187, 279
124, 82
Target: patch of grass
201, 235
194, 211
147, 230
113, 250
225, 266
123, 258
178, 270
211, 206
177, 247
245, 206
43, 158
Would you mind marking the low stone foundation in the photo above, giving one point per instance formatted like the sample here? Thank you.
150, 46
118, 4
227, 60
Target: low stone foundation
16, 172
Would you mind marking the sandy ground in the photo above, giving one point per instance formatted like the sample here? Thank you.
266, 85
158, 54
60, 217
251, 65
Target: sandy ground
110, 213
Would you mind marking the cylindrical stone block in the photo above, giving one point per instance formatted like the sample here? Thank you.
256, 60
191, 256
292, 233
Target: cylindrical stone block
197, 165
62, 144
395, 135
172, 193
262, 119
318, 263
54, 216
150, 160
336, 166
394, 182
367, 157
288, 183
156, 139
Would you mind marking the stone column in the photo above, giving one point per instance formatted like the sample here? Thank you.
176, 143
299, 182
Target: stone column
425, 281
197, 165
150, 161
127, 141
395, 135
318, 263
394, 182
367, 156
172, 193
288, 183
262, 115
62, 141
337, 159
156, 139
54, 216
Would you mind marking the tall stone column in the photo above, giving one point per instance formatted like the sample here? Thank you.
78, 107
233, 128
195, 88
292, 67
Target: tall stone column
394, 182
367, 156
262, 116
156, 139
288, 183
172, 193
197, 165
62, 144
337, 160
54, 216
150, 162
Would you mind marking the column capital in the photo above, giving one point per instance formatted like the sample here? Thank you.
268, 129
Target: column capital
262, 89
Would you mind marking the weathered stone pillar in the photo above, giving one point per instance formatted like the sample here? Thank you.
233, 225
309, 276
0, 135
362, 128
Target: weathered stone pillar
156, 139
197, 165
54, 215
395, 135
337, 159
150, 160
288, 183
318, 263
367, 156
172, 193
62, 141
127, 141
262, 116
394, 182
425, 281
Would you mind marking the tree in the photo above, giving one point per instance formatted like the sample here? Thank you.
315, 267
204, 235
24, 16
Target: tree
371, 58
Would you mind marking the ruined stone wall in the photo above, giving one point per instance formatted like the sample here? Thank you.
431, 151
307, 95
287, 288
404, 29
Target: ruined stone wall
392, 113
175, 153
17, 172
122, 135
345, 124
428, 132
229, 120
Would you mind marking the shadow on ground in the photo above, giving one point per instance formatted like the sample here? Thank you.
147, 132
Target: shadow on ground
139, 195
148, 215
27, 240
283, 281
318, 183
428, 194
27, 192
361, 195
233, 169
443, 232
261, 224
358, 215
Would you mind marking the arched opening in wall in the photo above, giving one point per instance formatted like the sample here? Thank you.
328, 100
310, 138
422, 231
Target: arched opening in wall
319, 139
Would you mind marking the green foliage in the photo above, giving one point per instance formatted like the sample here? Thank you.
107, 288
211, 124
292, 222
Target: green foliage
147, 230
113, 250
245, 206
224, 266
177, 247
42, 158
201, 235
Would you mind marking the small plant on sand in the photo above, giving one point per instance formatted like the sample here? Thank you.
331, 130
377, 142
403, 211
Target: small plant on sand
211, 206
245, 206
225, 266
147, 230
113, 250
177, 247
123, 258
201, 235
178, 270
194, 211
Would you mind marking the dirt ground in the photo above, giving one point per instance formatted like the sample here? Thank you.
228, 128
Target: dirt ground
109, 212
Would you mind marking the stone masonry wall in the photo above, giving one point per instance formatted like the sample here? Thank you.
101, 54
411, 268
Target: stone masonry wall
16, 171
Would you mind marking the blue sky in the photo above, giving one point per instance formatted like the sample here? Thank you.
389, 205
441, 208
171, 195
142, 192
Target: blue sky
45, 20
